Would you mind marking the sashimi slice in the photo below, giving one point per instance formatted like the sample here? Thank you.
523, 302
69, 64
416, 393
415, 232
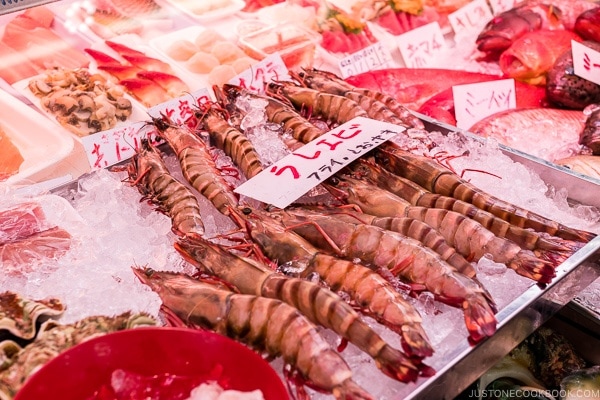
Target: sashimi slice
21, 221
10, 159
122, 49
23, 256
148, 63
171, 83
102, 58
42, 15
121, 71
146, 91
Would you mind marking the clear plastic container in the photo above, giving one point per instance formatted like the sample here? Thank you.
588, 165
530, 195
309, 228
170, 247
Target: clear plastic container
296, 45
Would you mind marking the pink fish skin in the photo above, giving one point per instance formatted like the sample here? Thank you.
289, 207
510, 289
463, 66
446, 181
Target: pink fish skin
531, 56
587, 24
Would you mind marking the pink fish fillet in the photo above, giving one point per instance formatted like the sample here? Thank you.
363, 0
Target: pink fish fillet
120, 71
123, 49
148, 63
171, 83
146, 91
102, 58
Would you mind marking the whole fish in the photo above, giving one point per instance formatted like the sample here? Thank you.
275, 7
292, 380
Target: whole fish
547, 133
590, 136
531, 56
564, 89
587, 24
584, 164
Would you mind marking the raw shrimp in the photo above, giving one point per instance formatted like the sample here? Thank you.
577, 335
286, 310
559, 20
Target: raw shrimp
318, 304
265, 324
548, 247
333, 108
280, 113
233, 142
149, 173
369, 290
198, 166
378, 105
404, 257
409, 227
469, 237
437, 179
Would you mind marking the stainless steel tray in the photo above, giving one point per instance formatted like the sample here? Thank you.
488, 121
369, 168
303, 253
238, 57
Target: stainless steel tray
531, 309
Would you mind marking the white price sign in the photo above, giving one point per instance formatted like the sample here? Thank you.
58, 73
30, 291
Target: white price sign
475, 101
471, 17
420, 47
295, 174
371, 58
112, 146
271, 68
179, 110
586, 62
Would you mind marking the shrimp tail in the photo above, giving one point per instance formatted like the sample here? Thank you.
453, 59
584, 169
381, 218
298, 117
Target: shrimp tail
350, 390
396, 365
479, 318
527, 264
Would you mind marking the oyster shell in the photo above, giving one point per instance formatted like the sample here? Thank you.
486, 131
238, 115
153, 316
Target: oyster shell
20, 317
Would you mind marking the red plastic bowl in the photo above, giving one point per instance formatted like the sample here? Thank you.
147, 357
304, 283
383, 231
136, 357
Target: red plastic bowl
80, 371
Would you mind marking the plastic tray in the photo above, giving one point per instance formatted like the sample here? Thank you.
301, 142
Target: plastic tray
49, 152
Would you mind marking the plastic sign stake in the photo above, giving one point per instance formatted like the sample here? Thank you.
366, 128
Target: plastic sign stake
181, 109
421, 47
586, 62
475, 101
371, 58
289, 178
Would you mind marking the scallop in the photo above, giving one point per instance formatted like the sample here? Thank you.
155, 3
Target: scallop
182, 50
202, 63
227, 52
221, 74
242, 64
207, 38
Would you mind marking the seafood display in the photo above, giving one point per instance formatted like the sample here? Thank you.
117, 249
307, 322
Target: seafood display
10, 155
81, 101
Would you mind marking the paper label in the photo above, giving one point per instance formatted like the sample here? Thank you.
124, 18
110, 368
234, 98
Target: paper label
181, 109
110, 147
371, 58
470, 18
499, 6
475, 101
271, 68
586, 62
288, 179
420, 47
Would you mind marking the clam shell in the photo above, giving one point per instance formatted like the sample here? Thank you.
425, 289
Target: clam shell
20, 317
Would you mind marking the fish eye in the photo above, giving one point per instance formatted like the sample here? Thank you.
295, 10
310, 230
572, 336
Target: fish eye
246, 211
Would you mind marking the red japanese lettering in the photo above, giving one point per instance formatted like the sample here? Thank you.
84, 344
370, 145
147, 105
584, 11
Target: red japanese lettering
332, 146
279, 171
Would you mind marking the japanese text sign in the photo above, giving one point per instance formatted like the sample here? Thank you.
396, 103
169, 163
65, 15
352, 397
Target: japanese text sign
586, 62
371, 58
475, 101
271, 68
420, 47
470, 18
181, 109
112, 146
288, 179
499, 6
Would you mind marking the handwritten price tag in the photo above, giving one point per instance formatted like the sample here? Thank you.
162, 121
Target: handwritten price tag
297, 173
181, 109
475, 101
586, 62
271, 68
499, 6
371, 58
470, 18
420, 47
110, 147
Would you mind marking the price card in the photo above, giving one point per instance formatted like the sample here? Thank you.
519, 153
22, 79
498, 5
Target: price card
586, 62
499, 6
470, 18
112, 146
475, 101
271, 68
371, 58
295, 174
420, 47
181, 109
